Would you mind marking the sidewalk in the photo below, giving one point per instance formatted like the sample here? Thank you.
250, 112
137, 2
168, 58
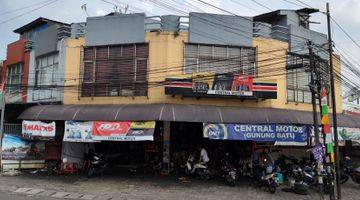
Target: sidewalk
144, 187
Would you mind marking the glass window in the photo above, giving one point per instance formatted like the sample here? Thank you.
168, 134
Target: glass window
46, 70
14, 78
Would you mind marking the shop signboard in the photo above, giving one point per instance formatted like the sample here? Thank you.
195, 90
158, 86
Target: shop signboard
278, 133
38, 130
221, 85
78, 132
123, 131
20, 153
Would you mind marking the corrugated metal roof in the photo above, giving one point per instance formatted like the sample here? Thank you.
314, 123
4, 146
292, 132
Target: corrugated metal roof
177, 112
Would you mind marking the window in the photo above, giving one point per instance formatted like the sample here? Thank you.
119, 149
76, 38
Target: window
47, 70
14, 78
219, 59
298, 85
298, 79
119, 70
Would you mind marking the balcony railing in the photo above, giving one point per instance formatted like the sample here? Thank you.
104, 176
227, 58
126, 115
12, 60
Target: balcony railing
14, 129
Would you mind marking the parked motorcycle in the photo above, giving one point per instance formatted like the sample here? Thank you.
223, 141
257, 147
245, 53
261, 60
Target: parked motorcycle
265, 178
350, 171
227, 171
197, 169
98, 164
295, 179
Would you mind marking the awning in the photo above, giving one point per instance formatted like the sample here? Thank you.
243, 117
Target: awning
177, 112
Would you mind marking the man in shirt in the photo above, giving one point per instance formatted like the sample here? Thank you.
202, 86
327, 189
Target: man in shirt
204, 158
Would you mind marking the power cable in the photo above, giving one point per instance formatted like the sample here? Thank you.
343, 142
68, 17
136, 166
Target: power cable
25, 7
28, 12
343, 30
262, 5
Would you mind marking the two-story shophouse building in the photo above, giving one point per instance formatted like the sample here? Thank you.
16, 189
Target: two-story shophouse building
202, 79
33, 70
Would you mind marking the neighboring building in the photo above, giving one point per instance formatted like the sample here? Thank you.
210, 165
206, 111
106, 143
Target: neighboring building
351, 102
1, 67
33, 68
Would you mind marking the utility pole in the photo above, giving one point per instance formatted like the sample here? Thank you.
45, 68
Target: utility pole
333, 101
314, 85
313, 88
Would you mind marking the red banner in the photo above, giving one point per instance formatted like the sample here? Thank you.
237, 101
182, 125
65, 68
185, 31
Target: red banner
110, 128
123, 131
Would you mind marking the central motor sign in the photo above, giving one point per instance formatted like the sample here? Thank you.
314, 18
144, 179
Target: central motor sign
281, 134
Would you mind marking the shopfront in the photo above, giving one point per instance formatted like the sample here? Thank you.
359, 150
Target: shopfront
164, 134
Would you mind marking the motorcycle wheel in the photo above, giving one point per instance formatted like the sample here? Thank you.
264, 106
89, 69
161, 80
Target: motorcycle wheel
230, 181
272, 188
344, 179
356, 179
204, 176
91, 172
187, 171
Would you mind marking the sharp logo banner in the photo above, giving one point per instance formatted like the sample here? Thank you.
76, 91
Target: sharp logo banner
78, 132
280, 134
38, 130
123, 131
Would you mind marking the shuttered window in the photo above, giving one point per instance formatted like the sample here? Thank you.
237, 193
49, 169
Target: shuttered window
219, 59
119, 70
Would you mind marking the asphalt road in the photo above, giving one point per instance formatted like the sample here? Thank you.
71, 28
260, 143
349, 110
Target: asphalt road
12, 196
134, 187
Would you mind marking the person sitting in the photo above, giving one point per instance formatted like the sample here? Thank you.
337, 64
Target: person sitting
204, 158
268, 161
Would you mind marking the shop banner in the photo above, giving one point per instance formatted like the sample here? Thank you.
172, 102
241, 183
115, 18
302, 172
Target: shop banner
281, 134
38, 130
15, 148
344, 133
78, 132
123, 131
352, 134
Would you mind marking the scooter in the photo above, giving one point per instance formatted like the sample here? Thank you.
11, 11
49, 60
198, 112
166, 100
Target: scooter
98, 164
228, 172
198, 169
266, 179
350, 171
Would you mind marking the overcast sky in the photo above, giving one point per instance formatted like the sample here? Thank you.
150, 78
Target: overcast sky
346, 12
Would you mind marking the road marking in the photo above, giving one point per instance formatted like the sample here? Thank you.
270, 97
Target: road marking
74, 196
46, 193
34, 191
22, 190
87, 197
60, 195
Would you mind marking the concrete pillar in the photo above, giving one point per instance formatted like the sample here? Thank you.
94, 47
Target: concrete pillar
166, 149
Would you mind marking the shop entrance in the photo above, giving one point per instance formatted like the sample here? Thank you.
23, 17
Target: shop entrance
186, 137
